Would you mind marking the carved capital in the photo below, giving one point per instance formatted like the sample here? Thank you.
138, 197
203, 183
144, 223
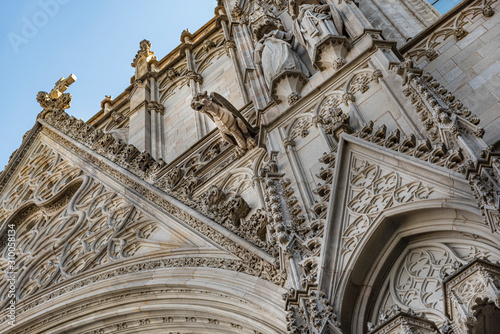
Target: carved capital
288, 142
229, 45
196, 77
347, 98
153, 106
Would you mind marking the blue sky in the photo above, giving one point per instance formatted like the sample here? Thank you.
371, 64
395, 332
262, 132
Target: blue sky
44, 40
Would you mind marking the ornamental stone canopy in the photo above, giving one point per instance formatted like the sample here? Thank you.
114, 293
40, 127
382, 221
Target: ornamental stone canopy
300, 166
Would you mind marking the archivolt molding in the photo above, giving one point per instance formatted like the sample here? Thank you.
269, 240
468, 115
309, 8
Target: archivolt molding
213, 299
455, 27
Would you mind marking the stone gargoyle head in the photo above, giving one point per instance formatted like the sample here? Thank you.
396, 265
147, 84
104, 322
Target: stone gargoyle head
200, 101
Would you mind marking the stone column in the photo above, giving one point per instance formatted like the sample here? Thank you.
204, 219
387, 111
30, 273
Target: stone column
156, 111
299, 175
195, 79
252, 74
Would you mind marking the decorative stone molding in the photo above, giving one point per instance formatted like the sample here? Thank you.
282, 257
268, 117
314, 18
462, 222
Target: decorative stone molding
142, 58
56, 99
196, 77
89, 137
443, 116
455, 26
438, 154
396, 321
229, 45
335, 122
153, 106
472, 285
484, 178
308, 311
224, 207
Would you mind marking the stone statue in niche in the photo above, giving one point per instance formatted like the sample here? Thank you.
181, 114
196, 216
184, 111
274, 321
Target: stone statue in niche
233, 127
285, 73
318, 28
274, 52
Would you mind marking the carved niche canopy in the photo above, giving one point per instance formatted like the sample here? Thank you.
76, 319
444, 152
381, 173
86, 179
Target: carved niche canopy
473, 297
263, 21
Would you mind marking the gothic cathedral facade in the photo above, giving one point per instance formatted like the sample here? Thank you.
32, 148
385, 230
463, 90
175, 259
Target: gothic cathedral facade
294, 166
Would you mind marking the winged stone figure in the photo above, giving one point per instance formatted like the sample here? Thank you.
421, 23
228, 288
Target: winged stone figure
233, 127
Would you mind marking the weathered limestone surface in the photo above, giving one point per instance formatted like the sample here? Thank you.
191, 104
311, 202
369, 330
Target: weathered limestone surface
297, 166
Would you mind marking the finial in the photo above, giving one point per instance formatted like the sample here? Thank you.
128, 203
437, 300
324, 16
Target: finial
56, 99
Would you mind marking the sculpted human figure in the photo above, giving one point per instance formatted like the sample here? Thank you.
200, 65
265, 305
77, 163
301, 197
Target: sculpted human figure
232, 125
315, 22
274, 51
315, 25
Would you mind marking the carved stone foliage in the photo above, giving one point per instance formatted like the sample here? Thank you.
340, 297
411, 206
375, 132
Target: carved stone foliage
397, 321
334, 121
438, 154
484, 178
56, 99
469, 293
308, 311
70, 227
284, 212
89, 136
127, 156
442, 115
417, 279
224, 207
455, 27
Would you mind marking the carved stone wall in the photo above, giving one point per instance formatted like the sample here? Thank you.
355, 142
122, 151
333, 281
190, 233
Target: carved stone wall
365, 201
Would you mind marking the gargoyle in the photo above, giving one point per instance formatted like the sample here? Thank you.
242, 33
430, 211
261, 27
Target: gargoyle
233, 127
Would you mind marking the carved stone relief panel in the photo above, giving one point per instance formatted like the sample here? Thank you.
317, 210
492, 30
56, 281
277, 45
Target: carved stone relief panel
416, 280
372, 189
67, 223
41, 178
